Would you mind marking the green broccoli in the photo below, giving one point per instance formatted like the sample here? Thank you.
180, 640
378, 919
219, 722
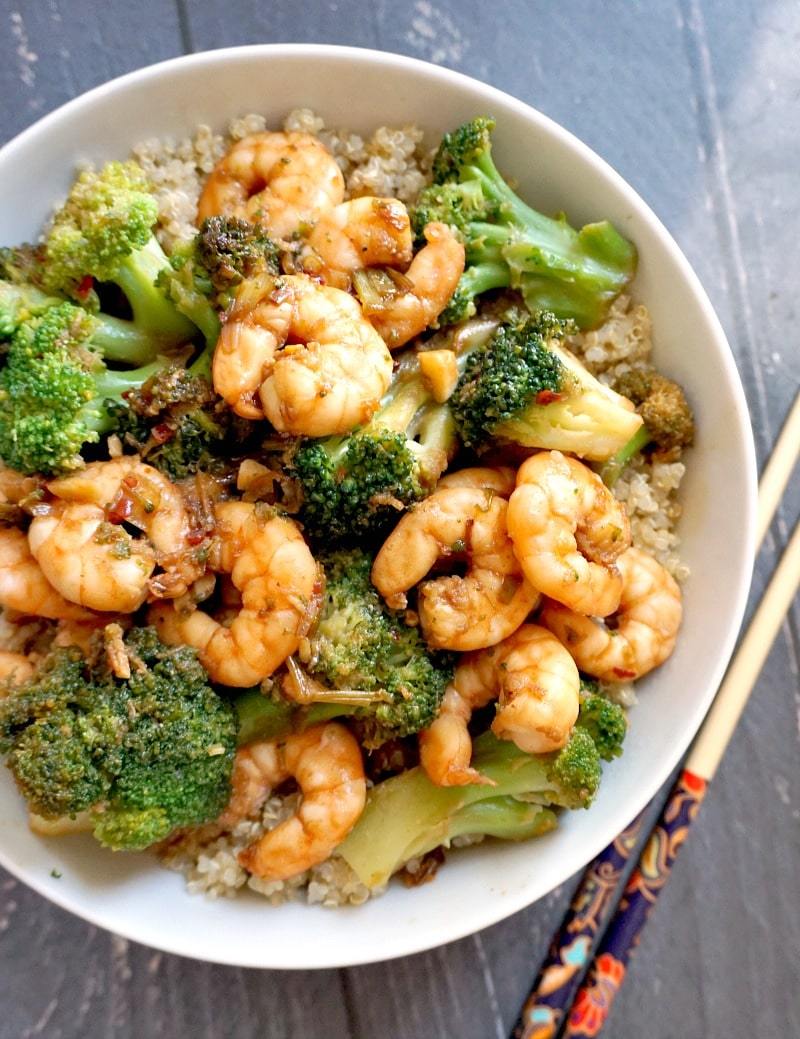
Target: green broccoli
177, 423
203, 273
604, 721
668, 423
574, 274
359, 647
118, 340
144, 755
408, 815
523, 387
104, 232
264, 717
356, 484
56, 393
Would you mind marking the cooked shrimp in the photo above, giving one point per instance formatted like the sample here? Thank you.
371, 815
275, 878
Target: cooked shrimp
15, 486
434, 274
141, 495
281, 180
568, 530
461, 613
97, 563
273, 569
445, 748
537, 685
15, 668
306, 351
23, 586
326, 762
645, 625
500, 480
363, 232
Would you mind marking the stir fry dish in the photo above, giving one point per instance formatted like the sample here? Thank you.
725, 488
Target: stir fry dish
338, 501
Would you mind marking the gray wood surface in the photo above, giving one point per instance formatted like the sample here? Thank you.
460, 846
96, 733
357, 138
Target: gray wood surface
695, 102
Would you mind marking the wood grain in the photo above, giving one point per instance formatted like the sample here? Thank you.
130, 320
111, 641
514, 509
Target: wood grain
695, 104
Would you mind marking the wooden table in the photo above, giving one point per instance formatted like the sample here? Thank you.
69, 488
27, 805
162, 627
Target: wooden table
695, 102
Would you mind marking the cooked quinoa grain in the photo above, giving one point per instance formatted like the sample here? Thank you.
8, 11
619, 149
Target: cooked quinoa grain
393, 162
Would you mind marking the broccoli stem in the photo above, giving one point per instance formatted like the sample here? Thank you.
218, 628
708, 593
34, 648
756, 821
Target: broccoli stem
483, 276
611, 470
406, 395
503, 817
264, 718
152, 311
116, 339
408, 814
123, 342
111, 386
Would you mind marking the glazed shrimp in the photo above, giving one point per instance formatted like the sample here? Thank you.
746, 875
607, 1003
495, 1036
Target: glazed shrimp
434, 274
646, 623
281, 180
15, 668
23, 586
500, 480
94, 562
363, 232
326, 762
151, 502
461, 613
302, 352
568, 530
273, 569
537, 686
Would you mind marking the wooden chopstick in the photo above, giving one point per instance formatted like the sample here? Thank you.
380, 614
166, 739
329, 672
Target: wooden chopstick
596, 996
558, 983
777, 471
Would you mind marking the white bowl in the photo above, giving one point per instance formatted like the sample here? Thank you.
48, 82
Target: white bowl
361, 89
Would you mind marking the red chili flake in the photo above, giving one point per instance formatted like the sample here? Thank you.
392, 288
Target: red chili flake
85, 286
195, 537
548, 397
621, 672
162, 433
120, 510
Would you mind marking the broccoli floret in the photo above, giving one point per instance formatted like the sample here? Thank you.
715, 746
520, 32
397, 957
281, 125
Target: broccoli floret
116, 339
229, 250
355, 484
104, 231
408, 815
574, 274
523, 387
203, 272
56, 394
360, 646
145, 755
178, 424
668, 423
604, 722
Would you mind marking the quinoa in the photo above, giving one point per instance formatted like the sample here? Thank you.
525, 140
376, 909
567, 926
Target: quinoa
392, 162
211, 867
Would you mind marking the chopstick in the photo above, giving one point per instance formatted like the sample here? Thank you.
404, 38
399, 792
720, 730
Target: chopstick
558, 984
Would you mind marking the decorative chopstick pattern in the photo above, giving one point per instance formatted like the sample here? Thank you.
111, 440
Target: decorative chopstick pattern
558, 981
592, 904
607, 972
